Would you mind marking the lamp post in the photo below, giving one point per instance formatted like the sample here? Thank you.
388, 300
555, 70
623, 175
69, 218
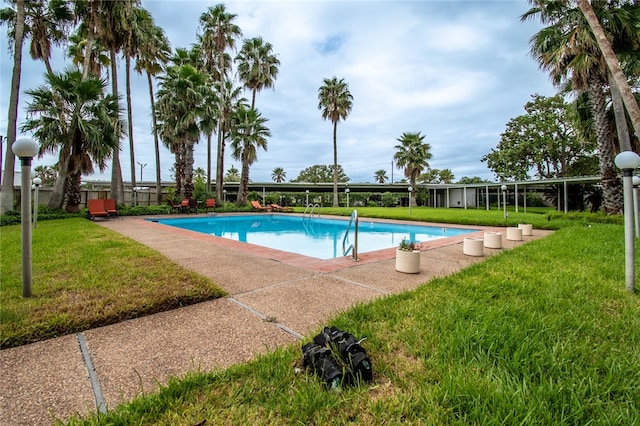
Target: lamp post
36, 183
307, 192
636, 201
346, 191
25, 149
504, 200
224, 195
142, 166
410, 189
628, 161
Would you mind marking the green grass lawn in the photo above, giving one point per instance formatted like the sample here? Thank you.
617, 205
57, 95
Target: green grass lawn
86, 276
542, 334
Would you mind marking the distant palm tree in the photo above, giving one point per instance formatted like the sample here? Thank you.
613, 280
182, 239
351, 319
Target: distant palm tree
412, 156
89, 132
278, 175
232, 175
336, 102
446, 176
247, 135
380, 176
257, 66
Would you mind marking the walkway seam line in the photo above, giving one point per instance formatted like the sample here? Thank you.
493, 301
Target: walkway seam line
264, 317
93, 377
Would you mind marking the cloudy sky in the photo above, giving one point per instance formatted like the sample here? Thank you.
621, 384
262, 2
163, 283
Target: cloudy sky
456, 71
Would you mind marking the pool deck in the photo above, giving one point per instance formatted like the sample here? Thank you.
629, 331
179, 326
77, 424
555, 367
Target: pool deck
275, 299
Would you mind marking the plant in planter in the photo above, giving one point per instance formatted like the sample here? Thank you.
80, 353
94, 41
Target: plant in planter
408, 257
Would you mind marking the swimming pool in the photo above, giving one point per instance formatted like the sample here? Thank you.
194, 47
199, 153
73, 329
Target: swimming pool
316, 237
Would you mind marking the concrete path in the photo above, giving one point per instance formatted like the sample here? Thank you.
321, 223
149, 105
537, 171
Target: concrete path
275, 299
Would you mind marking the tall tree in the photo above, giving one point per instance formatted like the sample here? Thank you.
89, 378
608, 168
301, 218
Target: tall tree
219, 33
247, 135
71, 116
613, 64
179, 108
6, 194
257, 66
335, 101
567, 49
412, 155
151, 57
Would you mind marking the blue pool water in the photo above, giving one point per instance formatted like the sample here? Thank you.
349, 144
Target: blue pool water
316, 237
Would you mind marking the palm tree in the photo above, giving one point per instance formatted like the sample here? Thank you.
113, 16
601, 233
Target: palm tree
178, 109
568, 50
247, 135
151, 57
446, 176
278, 175
609, 56
88, 132
232, 175
412, 155
257, 66
219, 33
335, 101
380, 176
6, 194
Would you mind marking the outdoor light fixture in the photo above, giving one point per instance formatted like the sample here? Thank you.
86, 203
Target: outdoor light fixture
346, 191
25, 149
410, 189
36, 183
636, 200
628, 161
307, 192
504, 200
224, 195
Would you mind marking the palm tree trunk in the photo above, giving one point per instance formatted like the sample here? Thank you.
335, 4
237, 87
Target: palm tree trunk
612, 63
335, 164
130, 120
244, 181
156, 141
73, 196
188, 169
208, 161
620, 117
117, 190
6, 193
611, 187
220, 161
57, 197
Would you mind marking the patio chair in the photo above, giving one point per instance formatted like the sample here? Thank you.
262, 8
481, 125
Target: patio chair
211, 204
96, 209
110, 206
279, 208
173, 207
192, 205
257, 206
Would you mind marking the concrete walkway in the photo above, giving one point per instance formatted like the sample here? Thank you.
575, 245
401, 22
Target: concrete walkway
275, 299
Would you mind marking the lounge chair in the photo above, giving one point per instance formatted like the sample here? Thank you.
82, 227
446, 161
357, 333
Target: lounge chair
96, 209
110, 206
278, 208
211, 204
193, 205
257, 206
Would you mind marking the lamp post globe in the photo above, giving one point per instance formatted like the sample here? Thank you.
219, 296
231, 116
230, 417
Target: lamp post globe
628, 161
36, 185
25, 149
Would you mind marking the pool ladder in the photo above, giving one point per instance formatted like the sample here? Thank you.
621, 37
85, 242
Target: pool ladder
311, 208
345, 240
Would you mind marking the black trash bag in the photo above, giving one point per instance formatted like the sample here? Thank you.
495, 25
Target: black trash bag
320, 360
349, 354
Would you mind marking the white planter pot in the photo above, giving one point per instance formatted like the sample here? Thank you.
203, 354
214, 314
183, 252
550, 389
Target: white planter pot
473, 246
514, 234
408, 261
493, 240
527, 229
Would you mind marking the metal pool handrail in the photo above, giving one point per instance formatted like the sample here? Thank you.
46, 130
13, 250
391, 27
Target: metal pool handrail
313, 208
354, 246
